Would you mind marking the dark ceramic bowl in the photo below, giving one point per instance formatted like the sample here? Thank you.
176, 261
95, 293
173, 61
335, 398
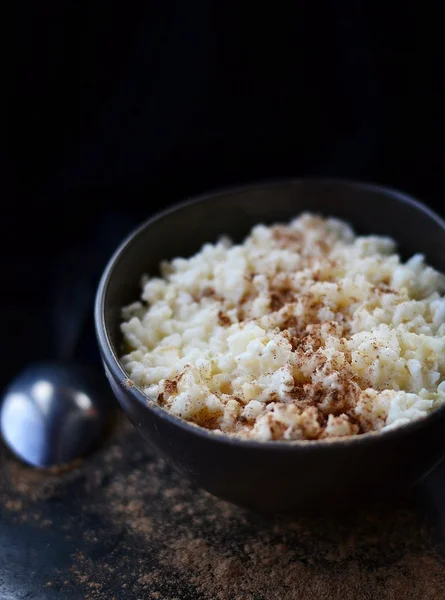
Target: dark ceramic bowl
314, 475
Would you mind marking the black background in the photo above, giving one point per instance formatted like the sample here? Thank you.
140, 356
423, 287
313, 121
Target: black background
119, 109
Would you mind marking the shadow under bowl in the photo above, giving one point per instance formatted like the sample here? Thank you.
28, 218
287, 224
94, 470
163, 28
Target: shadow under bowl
302, 476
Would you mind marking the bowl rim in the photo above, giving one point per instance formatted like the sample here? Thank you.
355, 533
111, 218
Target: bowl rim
113, 364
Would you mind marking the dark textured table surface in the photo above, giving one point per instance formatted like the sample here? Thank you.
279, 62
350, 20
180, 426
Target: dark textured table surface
122, 525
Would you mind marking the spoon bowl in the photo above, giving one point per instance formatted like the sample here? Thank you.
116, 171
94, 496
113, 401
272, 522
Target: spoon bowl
52, 413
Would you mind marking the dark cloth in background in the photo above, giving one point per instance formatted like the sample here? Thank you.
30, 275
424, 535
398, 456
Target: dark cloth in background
117, 110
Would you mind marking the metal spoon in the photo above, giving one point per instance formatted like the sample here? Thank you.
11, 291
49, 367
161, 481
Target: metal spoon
54, 412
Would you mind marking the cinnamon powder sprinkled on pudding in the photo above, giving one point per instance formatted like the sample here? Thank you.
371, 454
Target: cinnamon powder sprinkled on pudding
304, 331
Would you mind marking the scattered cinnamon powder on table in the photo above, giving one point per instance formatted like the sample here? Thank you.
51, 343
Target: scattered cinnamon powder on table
136, 530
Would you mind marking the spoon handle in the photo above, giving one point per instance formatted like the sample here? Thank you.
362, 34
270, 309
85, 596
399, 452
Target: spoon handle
77, 275
71, 305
